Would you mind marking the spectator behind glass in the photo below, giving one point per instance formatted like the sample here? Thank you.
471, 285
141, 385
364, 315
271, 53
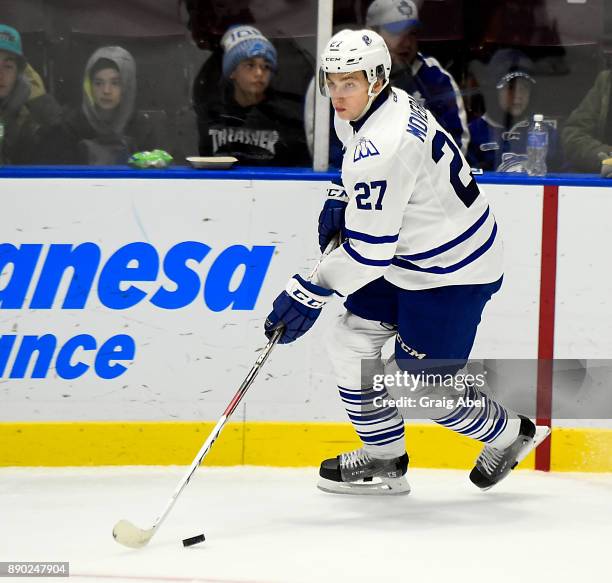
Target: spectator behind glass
25, 107
245, 117
587, 135
105, 130
397, 21
499, 137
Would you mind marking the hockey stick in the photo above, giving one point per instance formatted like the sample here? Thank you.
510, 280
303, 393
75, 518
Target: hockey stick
129, 535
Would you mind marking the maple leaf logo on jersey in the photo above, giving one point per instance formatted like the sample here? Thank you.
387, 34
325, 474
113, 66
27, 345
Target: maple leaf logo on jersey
406, 8
364, 148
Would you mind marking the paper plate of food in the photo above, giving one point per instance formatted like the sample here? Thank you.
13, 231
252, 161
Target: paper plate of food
212, 162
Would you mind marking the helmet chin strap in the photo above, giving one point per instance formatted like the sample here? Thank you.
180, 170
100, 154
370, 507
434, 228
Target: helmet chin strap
371, 98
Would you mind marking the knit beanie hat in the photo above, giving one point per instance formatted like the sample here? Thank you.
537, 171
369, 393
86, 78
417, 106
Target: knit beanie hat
245, 42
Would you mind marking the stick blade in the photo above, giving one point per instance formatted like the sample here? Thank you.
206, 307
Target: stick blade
128, 535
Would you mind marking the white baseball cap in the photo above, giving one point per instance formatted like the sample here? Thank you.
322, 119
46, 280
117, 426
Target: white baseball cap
394, 16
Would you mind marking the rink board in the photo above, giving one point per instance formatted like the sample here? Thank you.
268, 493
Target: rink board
261, 443
188, 360
584, 280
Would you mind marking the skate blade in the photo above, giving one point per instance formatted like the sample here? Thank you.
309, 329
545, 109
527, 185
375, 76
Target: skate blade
541, 433
385, 487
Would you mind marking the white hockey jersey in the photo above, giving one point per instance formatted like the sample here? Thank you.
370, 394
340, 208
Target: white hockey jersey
415, 214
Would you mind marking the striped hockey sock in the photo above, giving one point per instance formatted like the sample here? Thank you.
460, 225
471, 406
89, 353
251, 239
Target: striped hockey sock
380, 427
491, 423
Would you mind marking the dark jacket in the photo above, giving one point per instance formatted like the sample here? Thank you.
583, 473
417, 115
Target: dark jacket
270, 133
587, 132
490, 141
74, 141
24, 120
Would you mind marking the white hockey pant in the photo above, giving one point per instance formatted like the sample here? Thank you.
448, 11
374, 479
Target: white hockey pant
356, 344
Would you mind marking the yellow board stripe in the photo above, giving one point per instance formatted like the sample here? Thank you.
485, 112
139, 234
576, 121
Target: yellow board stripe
262, 443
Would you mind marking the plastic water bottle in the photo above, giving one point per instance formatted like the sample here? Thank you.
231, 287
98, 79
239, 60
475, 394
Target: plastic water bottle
537, 146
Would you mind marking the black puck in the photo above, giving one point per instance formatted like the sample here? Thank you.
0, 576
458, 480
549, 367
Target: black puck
194, 540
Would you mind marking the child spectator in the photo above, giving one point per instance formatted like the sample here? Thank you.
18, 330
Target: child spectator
25, 107
105, 130
499, 137
243, 116
587, 136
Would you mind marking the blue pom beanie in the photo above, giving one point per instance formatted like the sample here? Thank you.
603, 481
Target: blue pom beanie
245, 42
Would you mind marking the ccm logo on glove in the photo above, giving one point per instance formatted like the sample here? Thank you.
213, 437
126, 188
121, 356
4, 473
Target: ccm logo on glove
296, 309
298, 292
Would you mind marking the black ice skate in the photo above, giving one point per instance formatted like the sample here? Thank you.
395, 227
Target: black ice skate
493, 464
357, 473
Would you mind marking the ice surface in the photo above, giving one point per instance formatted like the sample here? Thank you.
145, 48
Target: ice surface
265, 525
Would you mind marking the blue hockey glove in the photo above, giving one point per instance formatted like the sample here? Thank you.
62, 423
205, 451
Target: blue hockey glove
331, 219
297, 309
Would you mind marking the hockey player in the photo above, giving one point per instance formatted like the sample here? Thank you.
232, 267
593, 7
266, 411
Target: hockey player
420, 259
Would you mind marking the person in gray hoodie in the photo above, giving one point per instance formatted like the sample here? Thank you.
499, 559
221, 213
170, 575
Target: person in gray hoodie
25, 106
106, 130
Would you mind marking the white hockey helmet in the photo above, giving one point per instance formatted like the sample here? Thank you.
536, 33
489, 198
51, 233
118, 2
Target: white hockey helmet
355, 50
